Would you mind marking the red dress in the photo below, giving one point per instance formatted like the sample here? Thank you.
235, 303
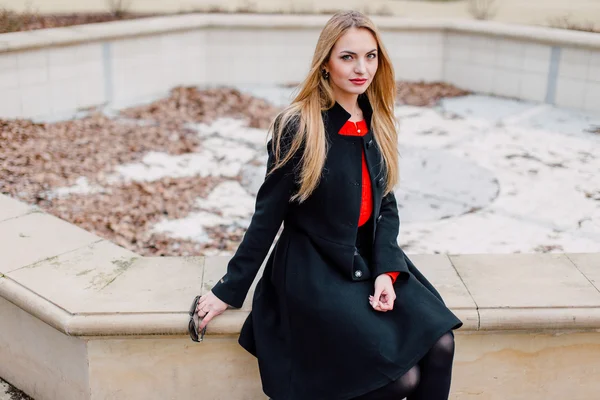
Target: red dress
360, 128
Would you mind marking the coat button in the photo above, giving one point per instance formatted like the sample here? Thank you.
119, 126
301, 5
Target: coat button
380, 182
358, 274
369, 144
379, 218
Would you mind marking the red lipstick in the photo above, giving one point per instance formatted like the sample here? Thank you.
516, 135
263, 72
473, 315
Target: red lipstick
358, 82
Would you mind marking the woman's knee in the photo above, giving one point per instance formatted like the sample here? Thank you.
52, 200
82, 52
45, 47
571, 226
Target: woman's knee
442, 350
407, 383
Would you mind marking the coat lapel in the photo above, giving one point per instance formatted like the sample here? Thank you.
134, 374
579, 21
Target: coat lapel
335, 117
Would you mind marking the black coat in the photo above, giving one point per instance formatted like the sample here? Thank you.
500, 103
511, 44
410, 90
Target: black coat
311, 326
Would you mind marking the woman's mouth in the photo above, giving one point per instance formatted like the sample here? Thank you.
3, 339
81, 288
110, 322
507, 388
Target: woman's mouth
358, 82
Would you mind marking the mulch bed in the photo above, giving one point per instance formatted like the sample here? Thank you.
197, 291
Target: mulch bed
426, 94
11, 21
188, 104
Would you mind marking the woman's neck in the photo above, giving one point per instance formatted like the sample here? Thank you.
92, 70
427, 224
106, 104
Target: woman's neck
350, 103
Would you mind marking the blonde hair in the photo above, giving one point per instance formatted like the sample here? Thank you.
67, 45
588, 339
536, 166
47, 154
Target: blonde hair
316, 95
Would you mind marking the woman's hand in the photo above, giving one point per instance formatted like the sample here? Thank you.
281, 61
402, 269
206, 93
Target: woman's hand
209, 306
384, 297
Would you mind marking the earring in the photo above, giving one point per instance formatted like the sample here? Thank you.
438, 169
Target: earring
325, 74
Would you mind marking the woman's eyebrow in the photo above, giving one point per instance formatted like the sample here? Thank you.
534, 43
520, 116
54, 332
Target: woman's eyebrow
353, 53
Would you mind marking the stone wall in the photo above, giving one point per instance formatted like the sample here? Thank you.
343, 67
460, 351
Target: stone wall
52, 73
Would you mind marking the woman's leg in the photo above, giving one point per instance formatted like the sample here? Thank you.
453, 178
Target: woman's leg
436, 371
396, 390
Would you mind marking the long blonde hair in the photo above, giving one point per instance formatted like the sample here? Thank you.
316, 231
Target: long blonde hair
316, 95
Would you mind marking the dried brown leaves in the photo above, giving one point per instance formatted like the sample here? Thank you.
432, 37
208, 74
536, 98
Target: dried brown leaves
125, 214
188, 104
11, 21
38, 157
423, 94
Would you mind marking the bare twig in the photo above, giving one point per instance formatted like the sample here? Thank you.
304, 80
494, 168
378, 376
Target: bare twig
565, 22
482, 9
119, 8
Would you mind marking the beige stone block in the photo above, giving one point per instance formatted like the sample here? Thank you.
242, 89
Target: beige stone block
36, 358
63, 95
508, 319
506, 82
439, 271
92, 90
172, 368
533, 86
37, 236
9, 107
574, 63
525, 280
594, 70
588, 264
570, 92
36, 100
86, 271
419, 69
526, 366
455, 73
537, 58
11, 208
510, 54
591, 101
150, 285
484, 50
481, 78
105, 278
469, 317
9, 72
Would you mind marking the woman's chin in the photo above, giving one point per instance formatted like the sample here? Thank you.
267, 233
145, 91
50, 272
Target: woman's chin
356, 90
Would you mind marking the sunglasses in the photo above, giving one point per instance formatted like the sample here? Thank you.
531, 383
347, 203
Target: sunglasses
193, 324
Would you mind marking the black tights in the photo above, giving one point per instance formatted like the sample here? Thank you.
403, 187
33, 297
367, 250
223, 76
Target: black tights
428, 380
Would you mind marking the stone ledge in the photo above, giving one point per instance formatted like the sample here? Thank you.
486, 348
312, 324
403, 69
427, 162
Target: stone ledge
156, 25
229, 323
115, 292
123, 313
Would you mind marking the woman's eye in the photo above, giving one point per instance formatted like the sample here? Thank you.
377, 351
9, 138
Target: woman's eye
372, 56
347, 57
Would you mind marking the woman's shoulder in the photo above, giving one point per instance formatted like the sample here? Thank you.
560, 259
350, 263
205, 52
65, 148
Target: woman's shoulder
290, 119
285, 128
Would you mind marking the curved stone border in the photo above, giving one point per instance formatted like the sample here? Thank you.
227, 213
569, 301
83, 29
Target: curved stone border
177, 23
153, 323
114, 292
124, 313
53, 73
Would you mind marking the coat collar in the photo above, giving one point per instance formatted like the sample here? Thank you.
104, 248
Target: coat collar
335, 117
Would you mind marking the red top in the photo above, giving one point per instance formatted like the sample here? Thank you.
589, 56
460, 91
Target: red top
360, 128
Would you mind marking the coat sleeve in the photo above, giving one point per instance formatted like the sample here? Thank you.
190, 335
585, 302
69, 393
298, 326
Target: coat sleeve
387, 255
271, 206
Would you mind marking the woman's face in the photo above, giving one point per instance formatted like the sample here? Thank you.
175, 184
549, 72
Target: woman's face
353, 62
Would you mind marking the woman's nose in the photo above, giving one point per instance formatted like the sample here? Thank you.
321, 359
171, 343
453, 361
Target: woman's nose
359, 68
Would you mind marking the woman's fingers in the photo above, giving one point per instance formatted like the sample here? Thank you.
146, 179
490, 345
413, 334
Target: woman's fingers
211, 314
200, 303
383, 303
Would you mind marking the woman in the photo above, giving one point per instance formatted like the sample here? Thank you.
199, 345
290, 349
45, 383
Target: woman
340, 311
